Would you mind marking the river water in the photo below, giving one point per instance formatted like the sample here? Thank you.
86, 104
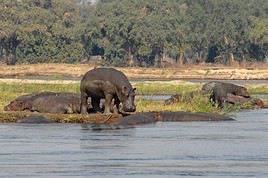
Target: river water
162, 150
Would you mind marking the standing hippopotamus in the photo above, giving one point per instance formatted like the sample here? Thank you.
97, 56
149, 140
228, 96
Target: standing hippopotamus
219, 91
110, 84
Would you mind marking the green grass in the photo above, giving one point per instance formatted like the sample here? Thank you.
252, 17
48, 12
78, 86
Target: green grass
198, 103
10, 91
257, 90
151, 88
30, 88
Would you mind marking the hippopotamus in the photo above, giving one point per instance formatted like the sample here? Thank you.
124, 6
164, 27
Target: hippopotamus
139, 118
173, 99
49, 102
238, 100
37, 119
110, 84
166, 116
179, 97
219, 91
142, 118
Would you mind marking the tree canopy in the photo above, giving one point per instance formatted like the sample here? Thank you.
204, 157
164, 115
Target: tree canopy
133, 32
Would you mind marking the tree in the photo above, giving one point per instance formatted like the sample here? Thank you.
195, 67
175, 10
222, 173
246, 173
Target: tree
29, 28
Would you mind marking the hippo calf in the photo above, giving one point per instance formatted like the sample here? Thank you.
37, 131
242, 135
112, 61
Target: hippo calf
180, 98
110, 84
173, 99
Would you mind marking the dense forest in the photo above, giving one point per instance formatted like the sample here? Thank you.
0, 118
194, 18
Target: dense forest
133, 32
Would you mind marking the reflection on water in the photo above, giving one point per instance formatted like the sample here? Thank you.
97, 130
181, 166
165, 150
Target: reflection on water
208, 149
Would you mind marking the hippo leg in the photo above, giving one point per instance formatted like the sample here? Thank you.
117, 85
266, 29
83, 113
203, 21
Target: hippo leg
107, 104
84, 98
116, 105
96, 104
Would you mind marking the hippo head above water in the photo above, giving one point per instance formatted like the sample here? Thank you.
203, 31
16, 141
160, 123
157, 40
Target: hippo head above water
127, 97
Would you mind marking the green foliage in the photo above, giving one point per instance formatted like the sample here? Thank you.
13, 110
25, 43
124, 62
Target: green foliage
40, 31
35, 31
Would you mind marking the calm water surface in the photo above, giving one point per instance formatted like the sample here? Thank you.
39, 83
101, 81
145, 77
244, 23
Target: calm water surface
162, 150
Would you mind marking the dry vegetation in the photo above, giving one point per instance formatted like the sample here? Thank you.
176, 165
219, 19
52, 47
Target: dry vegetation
206, 71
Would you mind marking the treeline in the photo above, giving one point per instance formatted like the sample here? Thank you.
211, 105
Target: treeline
133, 32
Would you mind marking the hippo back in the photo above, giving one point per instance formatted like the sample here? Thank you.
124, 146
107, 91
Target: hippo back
116, 77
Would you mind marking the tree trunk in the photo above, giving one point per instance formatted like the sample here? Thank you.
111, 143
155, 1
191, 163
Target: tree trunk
158, 55
8, 51
130, 59
8, 57
230, 57
11, 59
180, 60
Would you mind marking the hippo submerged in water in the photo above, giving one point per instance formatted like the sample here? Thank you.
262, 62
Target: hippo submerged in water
142, 118
47, 102
110, 84
35, 120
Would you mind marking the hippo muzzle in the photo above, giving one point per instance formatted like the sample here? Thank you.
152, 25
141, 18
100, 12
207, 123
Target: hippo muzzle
129, 109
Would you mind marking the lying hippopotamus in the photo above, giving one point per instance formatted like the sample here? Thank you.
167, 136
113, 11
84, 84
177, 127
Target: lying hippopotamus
48, 102
238, 100
180, 98
173, 99
110, 84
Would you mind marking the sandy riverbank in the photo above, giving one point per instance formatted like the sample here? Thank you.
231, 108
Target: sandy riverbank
256, 72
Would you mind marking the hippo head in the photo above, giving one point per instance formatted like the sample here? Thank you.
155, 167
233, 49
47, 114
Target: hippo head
127, 97
241, 91
17, 105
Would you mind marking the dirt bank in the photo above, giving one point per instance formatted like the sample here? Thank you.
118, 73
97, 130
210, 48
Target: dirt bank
258, 72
